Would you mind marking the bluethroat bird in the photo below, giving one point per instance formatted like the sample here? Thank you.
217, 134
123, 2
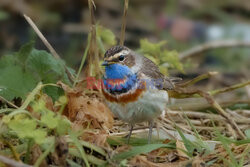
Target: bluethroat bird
135, 90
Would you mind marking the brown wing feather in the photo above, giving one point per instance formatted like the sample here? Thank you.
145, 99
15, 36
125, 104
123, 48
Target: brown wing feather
152, 71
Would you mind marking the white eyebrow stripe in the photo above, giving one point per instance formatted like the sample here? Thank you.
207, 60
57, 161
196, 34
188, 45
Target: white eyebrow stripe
123, 52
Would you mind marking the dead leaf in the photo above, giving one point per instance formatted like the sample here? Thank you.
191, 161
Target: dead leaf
89, 112
198, 162
99, 138
180, 147
142, 161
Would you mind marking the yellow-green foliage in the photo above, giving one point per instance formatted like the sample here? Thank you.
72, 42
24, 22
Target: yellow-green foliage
162, 57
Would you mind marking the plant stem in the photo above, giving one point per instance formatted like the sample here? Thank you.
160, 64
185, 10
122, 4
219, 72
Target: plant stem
47, 44
27, 155
125, 11
82, 61
45, 153
79, 147
197, 79
11, 162
230, 88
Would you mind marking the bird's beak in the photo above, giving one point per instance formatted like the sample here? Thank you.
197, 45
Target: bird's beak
105, 63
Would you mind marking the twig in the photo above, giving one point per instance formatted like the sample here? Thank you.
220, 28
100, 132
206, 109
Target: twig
201, 115
38, 32
125, 11
213, 45
12, 162
93, 58
201, 104
175, 94
46, 43
8, 102
230, 88
220, 110
197, 79
214, 104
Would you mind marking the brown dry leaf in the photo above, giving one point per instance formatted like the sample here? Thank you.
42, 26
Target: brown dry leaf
48, 102
162, 155
198, 162
98, 138
179, 147
87, 111
142, 161
122, 148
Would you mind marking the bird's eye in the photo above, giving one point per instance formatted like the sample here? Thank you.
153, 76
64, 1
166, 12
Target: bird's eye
121, 58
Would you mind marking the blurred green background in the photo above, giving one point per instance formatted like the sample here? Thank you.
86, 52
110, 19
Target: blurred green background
182, 23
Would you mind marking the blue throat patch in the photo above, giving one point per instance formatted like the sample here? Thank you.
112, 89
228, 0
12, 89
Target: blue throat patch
117, 73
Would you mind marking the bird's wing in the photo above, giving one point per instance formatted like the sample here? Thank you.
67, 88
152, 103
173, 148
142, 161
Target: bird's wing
150, 70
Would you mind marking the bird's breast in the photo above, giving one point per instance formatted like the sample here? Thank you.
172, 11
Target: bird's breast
131, 95
148, 105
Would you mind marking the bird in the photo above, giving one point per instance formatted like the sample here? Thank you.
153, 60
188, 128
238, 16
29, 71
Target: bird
134, 88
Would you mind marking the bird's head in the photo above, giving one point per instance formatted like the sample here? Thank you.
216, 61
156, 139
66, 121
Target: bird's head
118, 62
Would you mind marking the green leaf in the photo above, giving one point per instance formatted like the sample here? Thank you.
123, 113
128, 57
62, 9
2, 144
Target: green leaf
64, 126
171, 57
188, 144
153, 49
53, 92
72, 163
77, 143
56, 121
14, 82
49, 119
47, 68
22, 71
6, 61
162, 57
24, 52
106, 35
27, 128
139, 150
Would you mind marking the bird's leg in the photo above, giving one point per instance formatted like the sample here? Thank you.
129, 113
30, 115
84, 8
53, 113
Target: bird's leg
130, 132
150, 124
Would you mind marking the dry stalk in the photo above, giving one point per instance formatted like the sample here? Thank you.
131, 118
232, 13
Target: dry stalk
208, 116
230, 88
8, 102
175, 94
123, 28
47, 44
93, 57
214, 104
197, 79
11, 162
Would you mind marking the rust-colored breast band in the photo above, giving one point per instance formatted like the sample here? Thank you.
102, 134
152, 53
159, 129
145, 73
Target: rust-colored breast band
126, 98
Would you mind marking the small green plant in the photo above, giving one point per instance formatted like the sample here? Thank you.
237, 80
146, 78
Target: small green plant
227, 143
41, 127
163, 58
22, 71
